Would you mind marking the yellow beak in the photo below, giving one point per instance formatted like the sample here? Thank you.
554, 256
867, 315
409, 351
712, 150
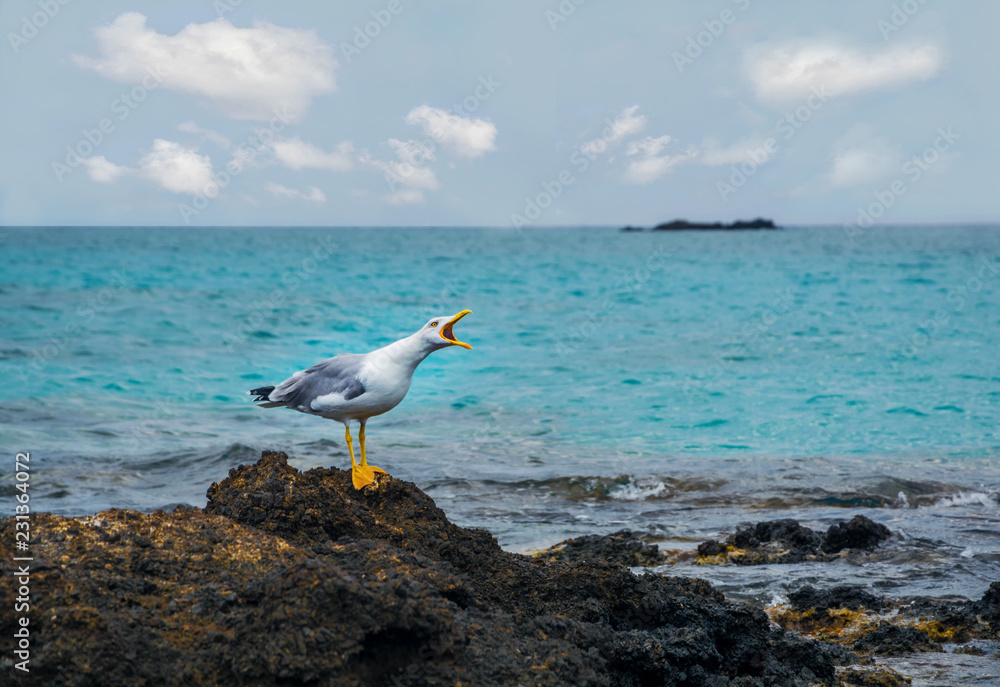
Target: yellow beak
448, 335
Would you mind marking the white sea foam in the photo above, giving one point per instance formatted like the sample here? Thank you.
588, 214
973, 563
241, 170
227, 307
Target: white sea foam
969, 498
639, 489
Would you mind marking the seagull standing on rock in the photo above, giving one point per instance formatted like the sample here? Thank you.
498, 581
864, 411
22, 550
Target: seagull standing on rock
353, 386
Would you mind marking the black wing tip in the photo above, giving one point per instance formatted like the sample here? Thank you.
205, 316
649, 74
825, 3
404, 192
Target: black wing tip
262, 393
355, 391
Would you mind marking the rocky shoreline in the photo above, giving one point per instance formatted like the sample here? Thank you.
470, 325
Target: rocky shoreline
295, 578
868, 625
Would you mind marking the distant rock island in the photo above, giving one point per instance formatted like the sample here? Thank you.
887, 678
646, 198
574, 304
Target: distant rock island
684, 225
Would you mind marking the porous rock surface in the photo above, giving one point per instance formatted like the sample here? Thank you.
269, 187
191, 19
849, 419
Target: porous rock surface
295, 578
624, 547
788, 541
871, 624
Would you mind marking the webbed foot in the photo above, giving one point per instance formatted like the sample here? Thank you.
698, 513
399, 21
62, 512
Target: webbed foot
363, 475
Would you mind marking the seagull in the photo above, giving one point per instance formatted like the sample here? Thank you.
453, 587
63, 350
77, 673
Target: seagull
358, 386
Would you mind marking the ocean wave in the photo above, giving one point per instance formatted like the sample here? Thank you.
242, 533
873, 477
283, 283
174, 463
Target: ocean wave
620, 488
716, 492
953, 497
640, 490
969, 498
784, 501
227, 457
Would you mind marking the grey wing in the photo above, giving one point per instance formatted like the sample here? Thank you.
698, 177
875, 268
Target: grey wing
336, 375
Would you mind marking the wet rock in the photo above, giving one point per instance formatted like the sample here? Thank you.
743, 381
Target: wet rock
956, 619
893, 640
712, 548
624, 547
787, 541
858, 533
855, 618
851, 597
970, 650
873, 677
786, 532
988, 608
296, 578
841, 614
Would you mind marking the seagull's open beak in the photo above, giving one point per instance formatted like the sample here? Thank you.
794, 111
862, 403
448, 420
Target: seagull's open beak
448, 335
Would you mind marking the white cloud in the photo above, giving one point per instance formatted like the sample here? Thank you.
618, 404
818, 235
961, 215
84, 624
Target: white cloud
314, 194
406, 174
407, 170
861, 158
790, 72
649, 165
755, 148
411, 151
247, 157
104, 172
626, 124
245, 72
213, 136
858, 166
649, 169
176, 168
298, 154
466, 136
169, 164
406, 196
648, 146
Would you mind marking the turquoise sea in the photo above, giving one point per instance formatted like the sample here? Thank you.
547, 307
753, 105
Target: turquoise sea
674, 383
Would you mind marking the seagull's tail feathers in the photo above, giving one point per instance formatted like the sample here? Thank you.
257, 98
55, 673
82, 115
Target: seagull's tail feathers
263, 397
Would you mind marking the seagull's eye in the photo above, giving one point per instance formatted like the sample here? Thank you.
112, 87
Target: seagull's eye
434, 324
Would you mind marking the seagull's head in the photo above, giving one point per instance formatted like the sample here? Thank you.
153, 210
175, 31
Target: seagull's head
438, 332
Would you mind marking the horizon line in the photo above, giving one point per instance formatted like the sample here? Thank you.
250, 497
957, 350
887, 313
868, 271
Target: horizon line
995, 222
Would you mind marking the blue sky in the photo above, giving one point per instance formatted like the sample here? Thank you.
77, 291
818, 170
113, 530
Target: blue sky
530, 113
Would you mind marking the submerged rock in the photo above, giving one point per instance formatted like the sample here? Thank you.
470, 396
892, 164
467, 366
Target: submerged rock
893, 640
296, 578
787, 541
873, 677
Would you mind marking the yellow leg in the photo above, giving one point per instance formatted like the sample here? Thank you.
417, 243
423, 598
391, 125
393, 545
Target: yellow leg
350, 444
361, 475
364, 458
